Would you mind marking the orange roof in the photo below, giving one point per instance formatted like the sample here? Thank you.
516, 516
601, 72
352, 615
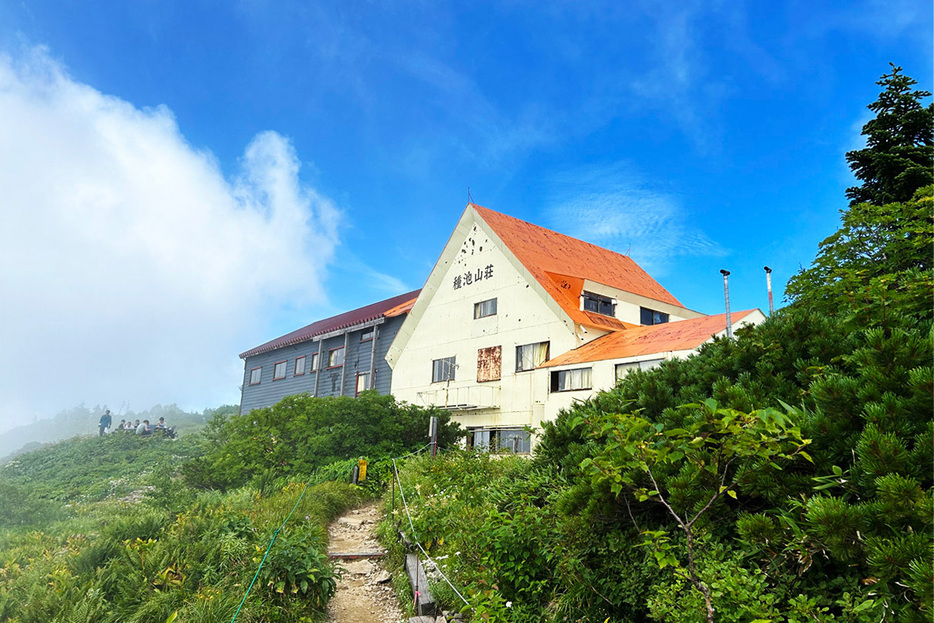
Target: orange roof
400, 309
561, 264
659, 338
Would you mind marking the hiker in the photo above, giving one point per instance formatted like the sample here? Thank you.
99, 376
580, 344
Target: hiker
121, 426
143, 429
105, 423
166, 431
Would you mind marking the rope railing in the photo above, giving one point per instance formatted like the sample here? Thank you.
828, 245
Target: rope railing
396, 478
275, 535
415, 538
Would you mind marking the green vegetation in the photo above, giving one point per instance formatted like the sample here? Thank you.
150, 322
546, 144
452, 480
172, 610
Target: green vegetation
899, 145
784, 475
106, 529
86, 469
302, 434
84, 421
103, 530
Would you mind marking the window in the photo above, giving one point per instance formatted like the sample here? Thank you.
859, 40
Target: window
622, 369
314, 362
514, 440
599, 304
650, 316
366, 336
571, 380
443, 369
484, 308
363, 382
530, 356
336, 357
299, 366
489, 364
255, 375
278, 370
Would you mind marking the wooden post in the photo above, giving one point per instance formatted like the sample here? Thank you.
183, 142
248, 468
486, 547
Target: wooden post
372, 384
418, 582
344, 367
317, 368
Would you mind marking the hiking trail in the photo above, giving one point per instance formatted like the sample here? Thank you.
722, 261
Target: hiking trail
364, 592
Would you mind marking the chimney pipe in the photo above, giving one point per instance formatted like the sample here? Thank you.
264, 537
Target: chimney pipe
768, 283
726, 295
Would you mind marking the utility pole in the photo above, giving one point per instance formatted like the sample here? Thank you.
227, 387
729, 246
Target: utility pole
768, 284
726, 295
433, 433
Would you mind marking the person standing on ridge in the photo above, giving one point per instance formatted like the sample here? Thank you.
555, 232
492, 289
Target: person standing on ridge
106, 421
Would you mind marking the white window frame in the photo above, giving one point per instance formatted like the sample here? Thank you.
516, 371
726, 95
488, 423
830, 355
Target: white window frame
528, 355
655, 316
622, 369
511, 440
576, 379
275, 370
484, 309
443, 369
365, 377
599, 302
334, 354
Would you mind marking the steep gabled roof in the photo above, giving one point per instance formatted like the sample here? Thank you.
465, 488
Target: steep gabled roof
561, 264
679, 335
395, 306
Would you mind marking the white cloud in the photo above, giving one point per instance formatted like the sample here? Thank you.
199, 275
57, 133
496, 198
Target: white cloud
612, 209
130, 268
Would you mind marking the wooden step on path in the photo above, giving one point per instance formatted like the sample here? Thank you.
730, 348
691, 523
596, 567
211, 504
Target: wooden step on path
354, 555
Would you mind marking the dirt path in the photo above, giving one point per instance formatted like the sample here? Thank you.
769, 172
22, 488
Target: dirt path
364, 593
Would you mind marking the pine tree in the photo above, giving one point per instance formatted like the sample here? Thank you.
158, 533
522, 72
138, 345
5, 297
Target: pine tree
897, 159
881, 257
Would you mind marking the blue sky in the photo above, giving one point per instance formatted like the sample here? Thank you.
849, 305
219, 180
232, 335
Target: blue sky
182, 181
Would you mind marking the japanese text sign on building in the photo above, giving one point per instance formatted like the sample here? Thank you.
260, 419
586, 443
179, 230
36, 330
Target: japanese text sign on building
469, 277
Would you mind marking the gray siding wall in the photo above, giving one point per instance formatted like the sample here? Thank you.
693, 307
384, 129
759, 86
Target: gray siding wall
356, 359
387, 333
269, 392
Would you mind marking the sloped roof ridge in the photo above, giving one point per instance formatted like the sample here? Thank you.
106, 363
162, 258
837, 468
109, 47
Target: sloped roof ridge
550, 232
340, 321
672, 336
579, 260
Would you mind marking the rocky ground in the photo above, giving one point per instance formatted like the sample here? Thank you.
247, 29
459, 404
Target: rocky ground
364, 593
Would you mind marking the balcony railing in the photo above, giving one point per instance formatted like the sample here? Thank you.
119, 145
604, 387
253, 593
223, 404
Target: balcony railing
462, 398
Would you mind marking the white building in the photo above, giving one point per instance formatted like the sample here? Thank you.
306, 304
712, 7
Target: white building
516, 321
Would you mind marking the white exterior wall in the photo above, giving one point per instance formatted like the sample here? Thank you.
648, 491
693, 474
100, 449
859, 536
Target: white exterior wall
604, 372
604, 378
628, 304
447, 328
442, 324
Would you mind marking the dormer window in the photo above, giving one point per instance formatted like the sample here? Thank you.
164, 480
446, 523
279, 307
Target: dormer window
599, 304
650, 316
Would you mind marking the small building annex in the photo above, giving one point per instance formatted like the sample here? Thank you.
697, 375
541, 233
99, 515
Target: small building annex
338, 356
516, 322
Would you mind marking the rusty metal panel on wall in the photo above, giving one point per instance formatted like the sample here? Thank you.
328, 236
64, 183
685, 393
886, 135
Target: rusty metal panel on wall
489, 364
